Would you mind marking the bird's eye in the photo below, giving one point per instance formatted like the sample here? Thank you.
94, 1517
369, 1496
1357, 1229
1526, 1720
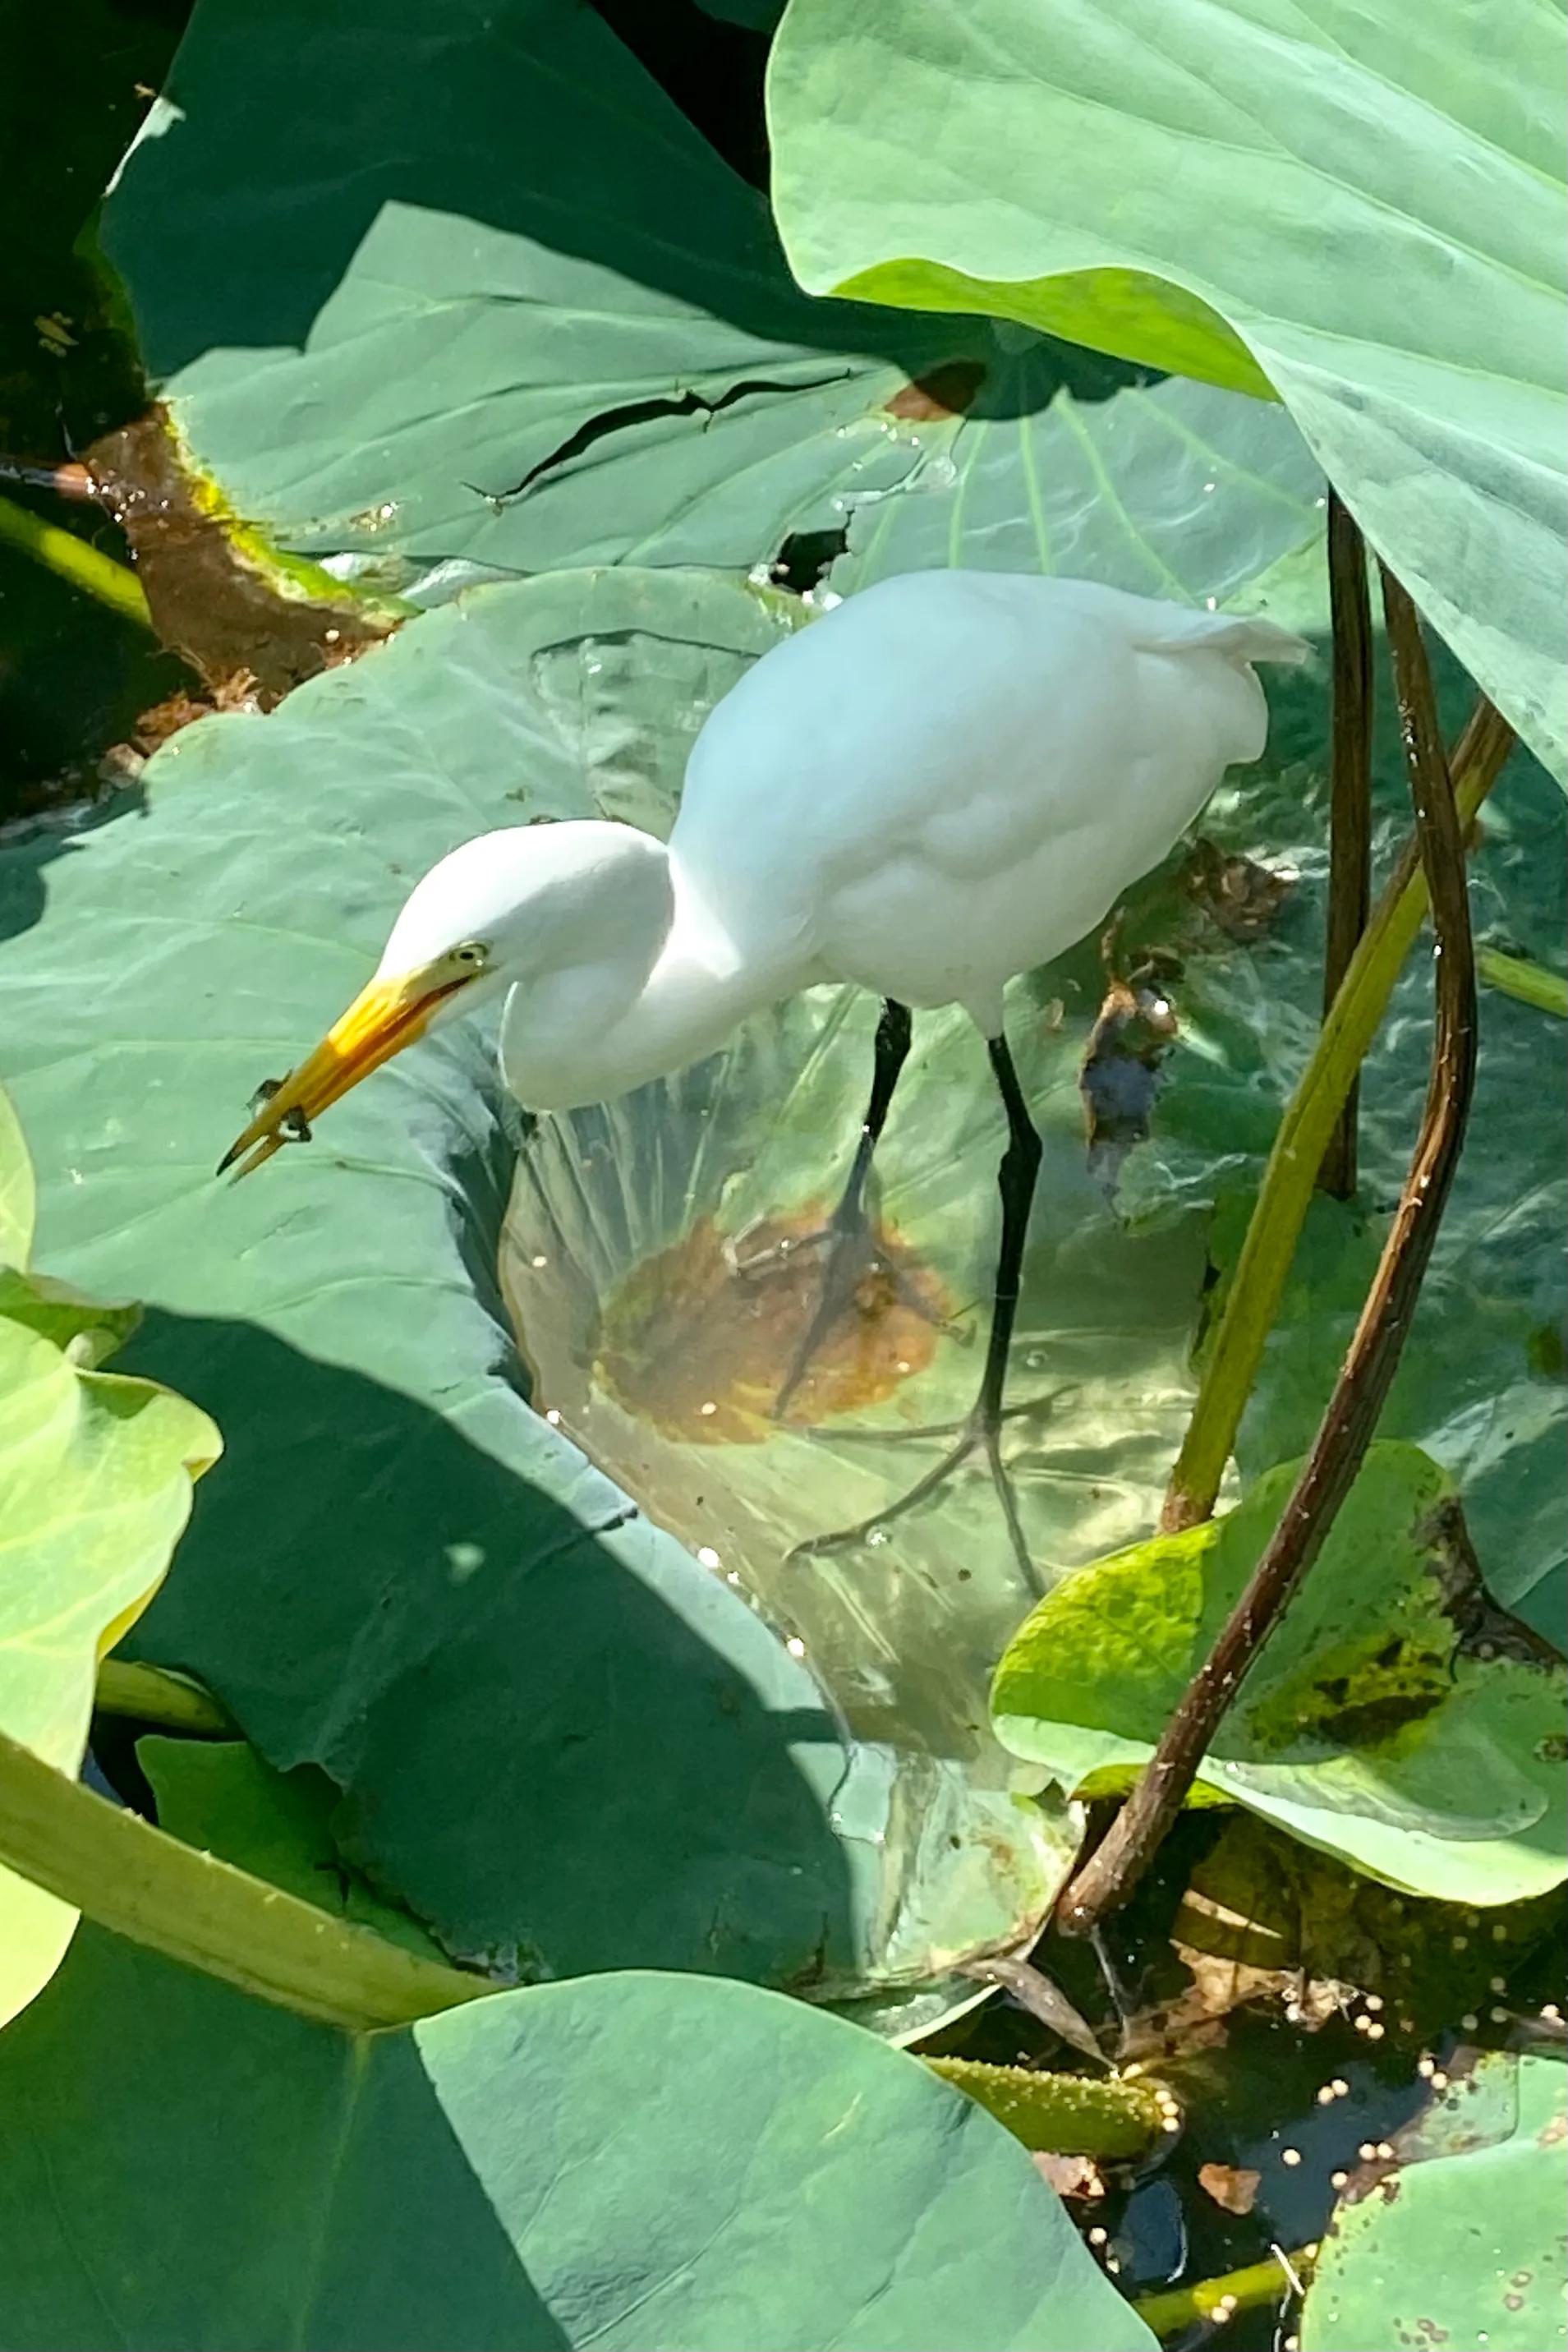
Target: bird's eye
473, 953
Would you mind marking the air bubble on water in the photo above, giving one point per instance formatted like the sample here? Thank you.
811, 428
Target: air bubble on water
538, 1260
706, 1554
553, 1417
796, 1647
1208, 489
1211, 603
876, 1535
1035, 1359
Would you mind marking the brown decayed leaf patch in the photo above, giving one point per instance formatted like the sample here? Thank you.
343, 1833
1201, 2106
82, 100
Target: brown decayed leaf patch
697, 1341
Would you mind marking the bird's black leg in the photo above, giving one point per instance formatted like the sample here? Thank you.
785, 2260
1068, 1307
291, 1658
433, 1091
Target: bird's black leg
982, 1431
1016, 1178
848, 1235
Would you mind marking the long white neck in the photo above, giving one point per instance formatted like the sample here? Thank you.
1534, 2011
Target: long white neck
671, 987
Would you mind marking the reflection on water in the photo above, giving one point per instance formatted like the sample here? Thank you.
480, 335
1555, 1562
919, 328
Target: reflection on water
660, 1264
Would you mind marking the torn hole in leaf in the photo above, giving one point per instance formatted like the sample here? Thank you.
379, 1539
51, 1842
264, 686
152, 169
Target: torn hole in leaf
633, 413
806, 558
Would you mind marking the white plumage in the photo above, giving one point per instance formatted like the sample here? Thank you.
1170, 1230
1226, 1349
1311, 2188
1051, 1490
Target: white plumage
942, 782
950, 778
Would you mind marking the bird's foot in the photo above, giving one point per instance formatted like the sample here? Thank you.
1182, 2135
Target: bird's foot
979, 1431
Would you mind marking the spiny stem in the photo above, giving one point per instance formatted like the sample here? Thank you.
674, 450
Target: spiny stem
1350, 795
1283, 1197
1247, 2290
1350, 1419
75, 560
117, 1869
1070, 2115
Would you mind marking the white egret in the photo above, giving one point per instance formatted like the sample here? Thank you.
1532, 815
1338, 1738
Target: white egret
944, 781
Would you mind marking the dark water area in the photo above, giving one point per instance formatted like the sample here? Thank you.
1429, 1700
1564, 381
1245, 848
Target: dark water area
74, 676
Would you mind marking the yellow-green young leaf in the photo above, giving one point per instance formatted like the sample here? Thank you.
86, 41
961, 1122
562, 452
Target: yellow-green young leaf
95, 1486
1396, 1718
1359, 206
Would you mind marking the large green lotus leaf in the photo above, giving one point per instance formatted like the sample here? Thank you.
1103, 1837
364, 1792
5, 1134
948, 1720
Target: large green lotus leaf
1360, 208
1482, 1385
96, 1472
1394, 1718
487, 295
1463, 2243
1171, 490
626, 2161
402, 1564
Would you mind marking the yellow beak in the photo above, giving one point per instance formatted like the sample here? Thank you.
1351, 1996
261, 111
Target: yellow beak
383, 1019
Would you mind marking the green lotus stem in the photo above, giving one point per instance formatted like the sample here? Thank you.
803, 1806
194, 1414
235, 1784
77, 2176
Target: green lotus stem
1184, 2306
1070, 2115
1531, 983
151, 1694
118, 1870
73, 558
1311, 1115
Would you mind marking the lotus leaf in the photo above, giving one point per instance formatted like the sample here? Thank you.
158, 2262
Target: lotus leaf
1359, 208
96, 1473
1463, 2242
625, 2160
1394, 1718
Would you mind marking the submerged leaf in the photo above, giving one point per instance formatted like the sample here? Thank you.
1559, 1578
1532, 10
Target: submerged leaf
1395, 1717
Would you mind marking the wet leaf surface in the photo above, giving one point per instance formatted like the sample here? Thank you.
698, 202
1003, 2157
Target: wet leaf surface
1461, 2241
697, 1339
235, 614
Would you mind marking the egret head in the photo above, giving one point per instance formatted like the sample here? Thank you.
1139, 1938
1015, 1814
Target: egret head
500, 909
